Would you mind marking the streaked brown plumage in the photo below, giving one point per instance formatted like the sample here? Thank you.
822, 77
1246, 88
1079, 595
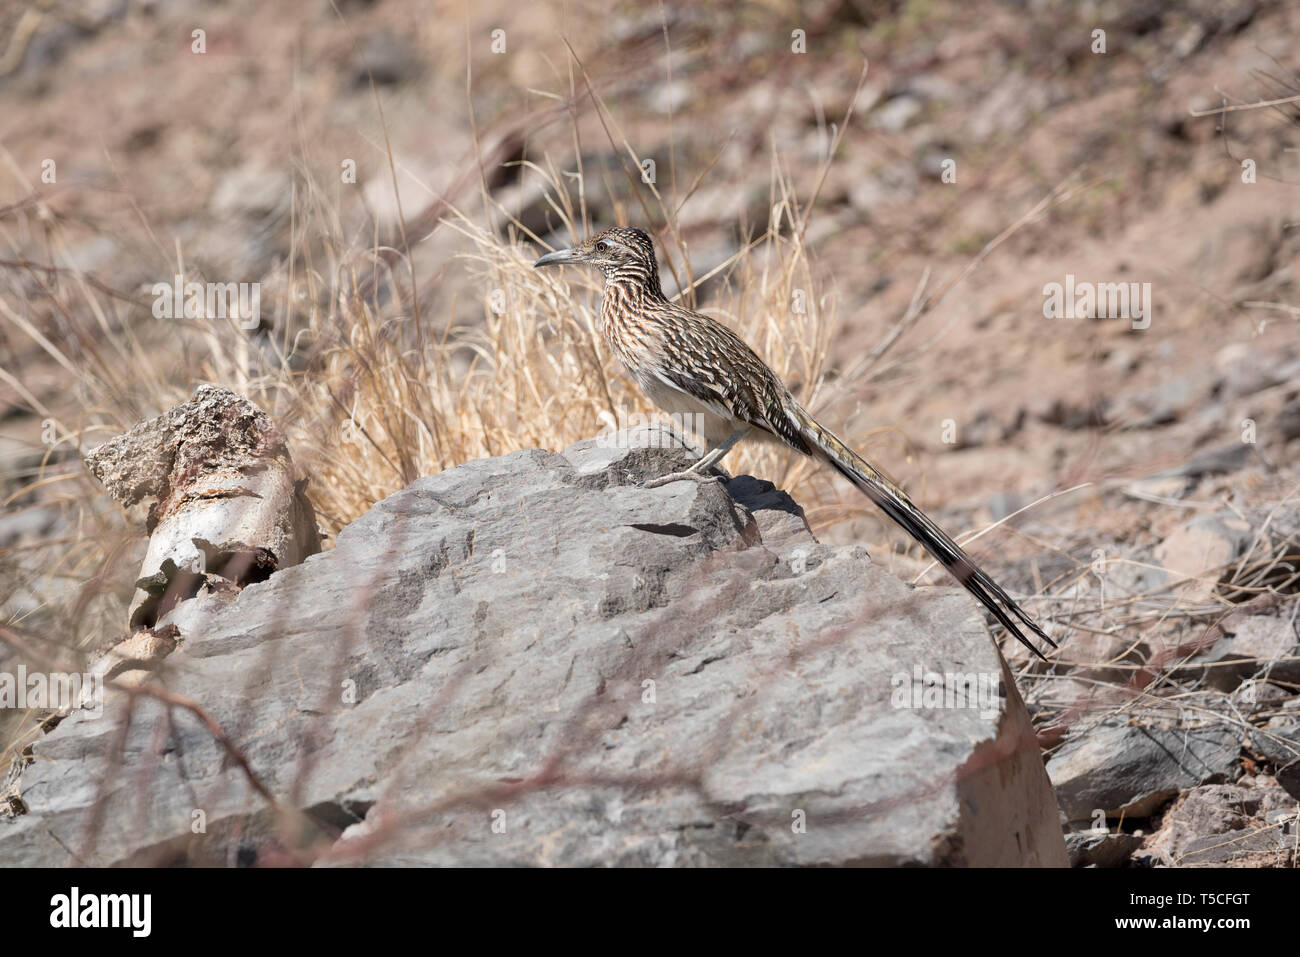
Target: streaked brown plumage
688, 363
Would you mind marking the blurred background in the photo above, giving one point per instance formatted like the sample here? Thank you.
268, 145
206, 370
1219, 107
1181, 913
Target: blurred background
876, 192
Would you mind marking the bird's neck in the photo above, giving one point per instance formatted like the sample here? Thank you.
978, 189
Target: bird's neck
635, 280
628, 291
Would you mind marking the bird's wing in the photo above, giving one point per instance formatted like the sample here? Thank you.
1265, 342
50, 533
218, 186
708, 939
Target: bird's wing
733, 381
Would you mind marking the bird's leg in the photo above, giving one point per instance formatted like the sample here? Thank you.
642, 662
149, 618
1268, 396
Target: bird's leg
696, 472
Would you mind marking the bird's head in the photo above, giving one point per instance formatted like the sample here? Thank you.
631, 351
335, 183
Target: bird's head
619, 251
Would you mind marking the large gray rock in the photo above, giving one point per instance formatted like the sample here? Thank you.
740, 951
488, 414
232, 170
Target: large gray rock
532, 660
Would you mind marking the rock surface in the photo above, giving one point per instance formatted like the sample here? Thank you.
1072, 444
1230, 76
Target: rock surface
1101, 848
1130, 770
1223, 824
531, 660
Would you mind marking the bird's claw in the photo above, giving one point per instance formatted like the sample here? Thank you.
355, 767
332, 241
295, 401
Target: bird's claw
680, 477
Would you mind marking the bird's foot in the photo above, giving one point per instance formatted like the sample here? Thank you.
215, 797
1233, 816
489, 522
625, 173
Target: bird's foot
687, 476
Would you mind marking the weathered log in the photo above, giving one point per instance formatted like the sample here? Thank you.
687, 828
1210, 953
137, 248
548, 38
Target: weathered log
225, 506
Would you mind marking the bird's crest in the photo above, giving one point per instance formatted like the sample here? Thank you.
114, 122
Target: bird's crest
631, 238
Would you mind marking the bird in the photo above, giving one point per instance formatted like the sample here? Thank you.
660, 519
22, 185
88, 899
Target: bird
689, 364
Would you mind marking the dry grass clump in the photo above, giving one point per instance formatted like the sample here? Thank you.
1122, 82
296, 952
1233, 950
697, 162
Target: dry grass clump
390, 398
372, 387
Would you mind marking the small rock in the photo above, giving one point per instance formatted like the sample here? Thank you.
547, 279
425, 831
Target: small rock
1131, 770
668, 98
1166, 487
1101, 848
881, 187
1224, 824
252, 192
1256, 695
1220, 461
930, 87
1279, 741
1259, 643
985, 428
389, 59
1245, 371
1006, 108
1163, 404
1286, 424
1201, 550
1002, 504
1288, 778
1068, 415
897, 113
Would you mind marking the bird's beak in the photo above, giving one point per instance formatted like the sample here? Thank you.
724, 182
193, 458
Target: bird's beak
559, 258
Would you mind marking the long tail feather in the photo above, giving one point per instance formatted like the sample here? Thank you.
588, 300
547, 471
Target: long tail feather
894, 502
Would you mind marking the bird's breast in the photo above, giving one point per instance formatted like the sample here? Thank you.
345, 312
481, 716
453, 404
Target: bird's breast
632, 339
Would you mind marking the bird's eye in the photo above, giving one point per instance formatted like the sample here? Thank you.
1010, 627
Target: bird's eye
602, 246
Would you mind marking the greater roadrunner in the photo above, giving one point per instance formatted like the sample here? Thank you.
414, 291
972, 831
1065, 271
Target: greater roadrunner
690, 364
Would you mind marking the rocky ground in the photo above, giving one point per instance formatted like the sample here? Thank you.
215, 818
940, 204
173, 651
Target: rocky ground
535, 661
579, 670
1165, 556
